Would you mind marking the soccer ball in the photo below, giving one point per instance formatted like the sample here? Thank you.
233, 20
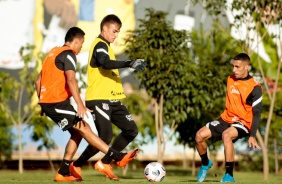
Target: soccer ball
154, 172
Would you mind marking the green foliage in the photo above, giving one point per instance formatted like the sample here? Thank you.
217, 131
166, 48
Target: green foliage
18, 89
6, 135
187, 77
42, 127
6, 139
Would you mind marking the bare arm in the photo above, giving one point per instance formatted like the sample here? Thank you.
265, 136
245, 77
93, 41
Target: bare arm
73, 86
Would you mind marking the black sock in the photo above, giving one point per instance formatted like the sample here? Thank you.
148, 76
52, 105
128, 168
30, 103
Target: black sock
106, 159
86, 155
113, 154
205, 159
229, 168
64, 167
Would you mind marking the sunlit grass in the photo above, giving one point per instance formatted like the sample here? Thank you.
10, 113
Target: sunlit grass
174, 175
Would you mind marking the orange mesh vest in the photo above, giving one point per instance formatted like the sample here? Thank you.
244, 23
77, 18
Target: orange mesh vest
53, 81
237, 110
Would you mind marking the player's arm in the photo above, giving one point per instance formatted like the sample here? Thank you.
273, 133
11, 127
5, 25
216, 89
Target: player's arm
38, 84
69, 67
255, 99
103, 59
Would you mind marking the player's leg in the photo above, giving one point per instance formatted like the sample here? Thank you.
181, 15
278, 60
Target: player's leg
63, 114
229, 136
124, 121
95, 141
212, 131
201, 136
104, 129
101, 112
70, 150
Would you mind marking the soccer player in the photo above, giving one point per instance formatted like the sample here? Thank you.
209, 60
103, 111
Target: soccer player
55, 84
103, 96
239, 119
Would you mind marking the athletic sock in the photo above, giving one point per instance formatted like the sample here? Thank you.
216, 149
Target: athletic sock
113, 154
229, 168
205, 159
64, 167
106, 159
86, 155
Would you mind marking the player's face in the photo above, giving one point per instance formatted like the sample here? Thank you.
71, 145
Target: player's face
110, 32
78, 42
240, 69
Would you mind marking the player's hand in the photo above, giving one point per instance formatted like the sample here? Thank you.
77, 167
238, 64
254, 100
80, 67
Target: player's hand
82, 111
138, 64
253, 143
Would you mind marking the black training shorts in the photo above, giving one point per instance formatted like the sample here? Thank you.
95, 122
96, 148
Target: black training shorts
62, 113
218, 126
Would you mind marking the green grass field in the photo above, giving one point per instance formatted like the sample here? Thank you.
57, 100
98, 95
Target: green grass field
174, 175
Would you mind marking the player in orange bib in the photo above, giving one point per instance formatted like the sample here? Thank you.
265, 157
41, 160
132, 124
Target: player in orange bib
239, 119
55, 84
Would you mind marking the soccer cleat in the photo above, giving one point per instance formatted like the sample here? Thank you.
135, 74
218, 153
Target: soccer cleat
106, 169
68, 178
75, 171
128, 157
227, 178
203, 171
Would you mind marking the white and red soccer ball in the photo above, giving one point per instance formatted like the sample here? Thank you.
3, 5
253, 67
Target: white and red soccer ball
154, 172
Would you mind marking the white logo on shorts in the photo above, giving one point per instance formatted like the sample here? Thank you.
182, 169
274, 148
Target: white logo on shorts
105, 106
64, 122
214, 123
129, 117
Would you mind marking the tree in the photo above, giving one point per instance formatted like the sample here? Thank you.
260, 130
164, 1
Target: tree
6, 135
180, 83
16, 89
42, 128
259, 22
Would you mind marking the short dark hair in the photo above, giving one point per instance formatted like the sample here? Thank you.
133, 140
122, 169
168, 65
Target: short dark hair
74, 32
111, 18
243, 57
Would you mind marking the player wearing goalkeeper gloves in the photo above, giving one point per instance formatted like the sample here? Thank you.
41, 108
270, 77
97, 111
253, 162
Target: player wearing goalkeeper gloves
103, 94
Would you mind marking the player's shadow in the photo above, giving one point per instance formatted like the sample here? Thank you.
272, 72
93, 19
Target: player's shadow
195, 181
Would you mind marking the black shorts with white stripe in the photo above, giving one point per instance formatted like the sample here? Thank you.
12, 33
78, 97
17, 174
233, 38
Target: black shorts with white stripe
62, 113
218, 126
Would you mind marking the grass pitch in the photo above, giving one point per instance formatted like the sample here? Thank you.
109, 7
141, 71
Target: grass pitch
174, 176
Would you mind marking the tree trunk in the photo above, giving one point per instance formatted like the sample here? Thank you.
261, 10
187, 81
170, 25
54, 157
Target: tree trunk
157, 129
276, 156
265, 156
20, 148
50, 162
162, 139
184, 160
194, 163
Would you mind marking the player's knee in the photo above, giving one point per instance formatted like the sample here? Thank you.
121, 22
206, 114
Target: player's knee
107, 139
130, 135
226, 137
199, 138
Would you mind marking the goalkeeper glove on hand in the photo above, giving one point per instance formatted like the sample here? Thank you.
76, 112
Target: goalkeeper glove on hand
138, 64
